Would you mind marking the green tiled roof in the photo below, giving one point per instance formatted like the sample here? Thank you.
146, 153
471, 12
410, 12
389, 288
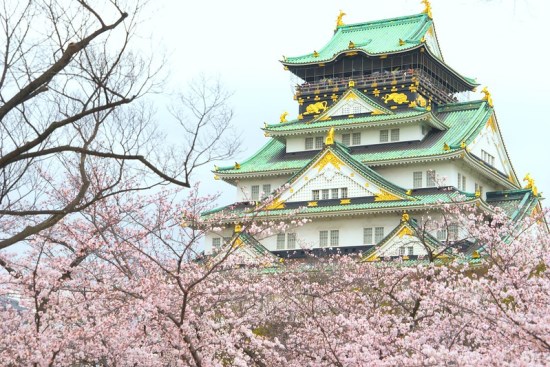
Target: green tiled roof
465, 121
299, 125
435, 196
375, 38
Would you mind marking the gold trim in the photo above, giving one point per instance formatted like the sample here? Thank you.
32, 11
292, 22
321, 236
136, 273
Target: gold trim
345, 201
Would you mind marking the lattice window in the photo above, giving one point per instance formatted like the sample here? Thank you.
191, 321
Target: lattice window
281, 241
323, 238
319, 142
356, 139
266, 188
383, 136
394, 135
430, 178
334, 237
367, 236
309, 144
216, 242
346, 139
378, 234
255, 192
291, 241
417, 180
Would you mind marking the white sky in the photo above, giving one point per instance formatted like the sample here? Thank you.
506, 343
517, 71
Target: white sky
502, 43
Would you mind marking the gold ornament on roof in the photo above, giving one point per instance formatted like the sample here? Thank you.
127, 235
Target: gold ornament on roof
283, 116
531, 184
398, 98
405, 217
315, 54
487, 96
316, 108
385, 196
339, 21
329, 158
238, 228
427, 8
405, 231
329, 140
351, 44
237, 165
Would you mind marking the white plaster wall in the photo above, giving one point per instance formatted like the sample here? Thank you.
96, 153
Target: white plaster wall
368, 136
446, 171
351, 230
298, 143
489, 141
402, 175
244, 186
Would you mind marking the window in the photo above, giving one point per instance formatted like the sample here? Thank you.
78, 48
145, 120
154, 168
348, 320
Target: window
406, 250
394, 135
488, 158
325, 194
461, 182
281, 241
383, 136
430, 178
441, 234
315, 195
345, 110
356, 139
216, 242
266, 188
357, 108
291, 240
367, 236
319, 142
255, 192
334, 193
334, 237
344, 192
309, 143
323, 238
410, 250
378, 234
402, 251
346, 139
417, 180
453, 231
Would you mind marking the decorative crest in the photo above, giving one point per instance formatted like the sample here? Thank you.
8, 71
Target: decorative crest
531, 184
283, 116
237, 165
405, 217
238, 228
427, 8
339, 21
329, 140
487, 96
351, 44
315, 53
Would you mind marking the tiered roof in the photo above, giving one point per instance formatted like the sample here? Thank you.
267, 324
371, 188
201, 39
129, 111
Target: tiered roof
464, 121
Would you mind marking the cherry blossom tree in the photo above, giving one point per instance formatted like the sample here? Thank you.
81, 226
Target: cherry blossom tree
123, 285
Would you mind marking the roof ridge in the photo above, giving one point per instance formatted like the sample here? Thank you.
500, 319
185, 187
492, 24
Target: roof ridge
381, 21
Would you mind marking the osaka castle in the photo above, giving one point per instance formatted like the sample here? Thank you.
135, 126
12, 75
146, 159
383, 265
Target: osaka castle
384, 134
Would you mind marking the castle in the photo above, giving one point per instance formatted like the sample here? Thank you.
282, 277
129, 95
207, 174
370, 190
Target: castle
381, 119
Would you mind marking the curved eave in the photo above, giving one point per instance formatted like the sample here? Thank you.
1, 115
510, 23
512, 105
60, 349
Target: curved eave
452, 154
369, 54
311, 128
283, 213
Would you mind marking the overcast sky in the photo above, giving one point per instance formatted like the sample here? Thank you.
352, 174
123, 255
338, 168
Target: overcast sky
502, 43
